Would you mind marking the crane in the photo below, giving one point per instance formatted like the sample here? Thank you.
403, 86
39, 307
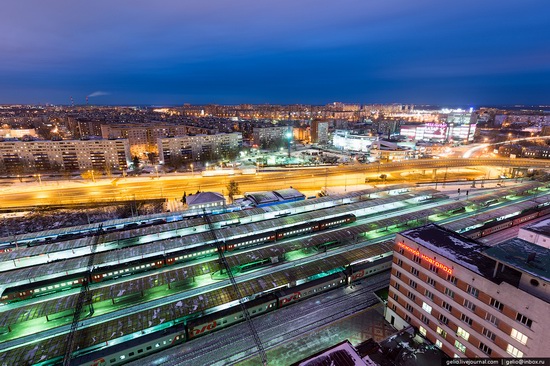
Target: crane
257, 340
85, 296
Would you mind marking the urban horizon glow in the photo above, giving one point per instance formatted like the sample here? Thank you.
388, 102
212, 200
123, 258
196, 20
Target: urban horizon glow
312, 52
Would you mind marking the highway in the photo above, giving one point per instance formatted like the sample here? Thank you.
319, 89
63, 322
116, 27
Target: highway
309, 180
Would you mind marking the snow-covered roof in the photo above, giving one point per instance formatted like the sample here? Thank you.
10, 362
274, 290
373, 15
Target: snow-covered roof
341, 354
262, 197
523, 256
204, 197
452, 246
289, 193
541, 227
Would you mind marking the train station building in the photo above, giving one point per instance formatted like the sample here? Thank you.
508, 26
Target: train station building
469, 299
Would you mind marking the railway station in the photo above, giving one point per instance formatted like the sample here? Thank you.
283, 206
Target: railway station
174, 270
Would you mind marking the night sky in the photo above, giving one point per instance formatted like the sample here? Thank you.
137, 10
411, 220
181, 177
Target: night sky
453, 53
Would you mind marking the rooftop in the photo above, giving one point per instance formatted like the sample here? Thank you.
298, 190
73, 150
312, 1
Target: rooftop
204, 197
289, 193
523, 256
342, 354
541, 227
460, 250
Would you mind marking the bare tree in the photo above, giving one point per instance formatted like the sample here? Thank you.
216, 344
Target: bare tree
232, 190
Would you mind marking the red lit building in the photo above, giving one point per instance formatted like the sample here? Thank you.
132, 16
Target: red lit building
469, 299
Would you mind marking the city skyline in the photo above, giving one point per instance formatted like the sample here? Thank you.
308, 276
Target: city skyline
309, 52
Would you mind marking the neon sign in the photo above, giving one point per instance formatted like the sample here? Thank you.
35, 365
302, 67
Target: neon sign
426, 258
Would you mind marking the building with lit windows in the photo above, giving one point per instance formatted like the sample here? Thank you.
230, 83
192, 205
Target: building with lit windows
179, 150
270, 137
143, 137
469, 299
70, 155
319, 132
345, 140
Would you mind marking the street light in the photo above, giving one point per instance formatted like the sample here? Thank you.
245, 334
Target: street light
192, 171
289, 138
37, 176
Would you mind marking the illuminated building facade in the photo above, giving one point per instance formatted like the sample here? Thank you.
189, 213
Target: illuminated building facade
344, 140
319, 132
70, 155
143, 137
459, 126
270, 137
179, 150
471, 300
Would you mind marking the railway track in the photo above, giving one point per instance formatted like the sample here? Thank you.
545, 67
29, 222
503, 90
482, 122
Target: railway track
275, 328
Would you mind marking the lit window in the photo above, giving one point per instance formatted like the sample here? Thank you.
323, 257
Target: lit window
427, 308
520, 337
460, 346
438, 343
462, 333
422, 330
513, 351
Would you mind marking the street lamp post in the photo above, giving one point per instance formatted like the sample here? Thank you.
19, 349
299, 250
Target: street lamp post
192, 171
289, 138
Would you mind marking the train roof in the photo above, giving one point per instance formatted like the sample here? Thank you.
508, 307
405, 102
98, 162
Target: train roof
154, 315
128, 254
481, 219
218, 220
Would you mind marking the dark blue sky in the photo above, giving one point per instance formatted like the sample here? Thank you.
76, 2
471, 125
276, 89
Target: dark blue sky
255, 51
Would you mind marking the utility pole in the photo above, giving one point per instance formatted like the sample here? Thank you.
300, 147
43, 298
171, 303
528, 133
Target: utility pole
85, 296
219, 247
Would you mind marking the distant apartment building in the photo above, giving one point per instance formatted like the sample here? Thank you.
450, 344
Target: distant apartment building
17, 133
302, 133
69, 155
469, 299
270, 137
518, 151
84, 128
143, 137
319, 132
186, 149
510, 150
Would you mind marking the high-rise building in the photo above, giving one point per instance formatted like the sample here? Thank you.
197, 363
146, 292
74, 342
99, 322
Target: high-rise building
270, 137
319, 132
471, 300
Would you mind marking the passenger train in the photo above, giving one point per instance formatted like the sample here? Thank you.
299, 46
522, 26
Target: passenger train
186, 330
41, 288
495, 226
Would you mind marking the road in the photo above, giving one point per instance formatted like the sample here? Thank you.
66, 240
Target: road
308, 180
